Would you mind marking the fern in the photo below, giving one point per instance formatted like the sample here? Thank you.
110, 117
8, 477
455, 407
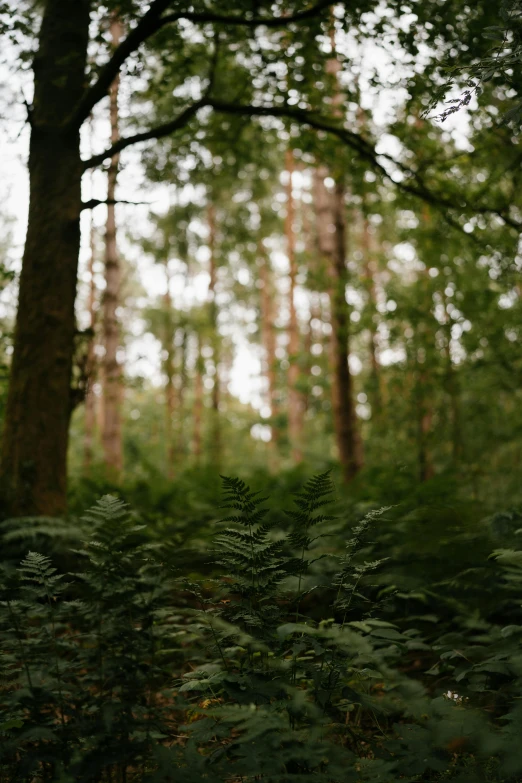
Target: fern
253, 562
84, 657
351, 573
273, 689
124, 672
315, 495
35, 637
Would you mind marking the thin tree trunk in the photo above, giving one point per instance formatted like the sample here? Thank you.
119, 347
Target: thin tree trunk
112, 380
215, 446
182, 385
333, 207
295, 398
268, 336
316, 314
35, 439
348, 437
170, 394
306, 370
424, 404
331, 236
311, 264
425, 343
453, 391
376, 395
198, 403
424, 426
90, 397
455, 408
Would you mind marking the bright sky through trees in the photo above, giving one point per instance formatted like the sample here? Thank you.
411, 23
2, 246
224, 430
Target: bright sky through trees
142, 350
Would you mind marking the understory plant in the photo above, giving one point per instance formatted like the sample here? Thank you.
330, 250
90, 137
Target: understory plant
127, 671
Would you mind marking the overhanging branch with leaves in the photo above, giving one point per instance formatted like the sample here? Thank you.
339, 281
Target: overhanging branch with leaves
410, 183
154, 20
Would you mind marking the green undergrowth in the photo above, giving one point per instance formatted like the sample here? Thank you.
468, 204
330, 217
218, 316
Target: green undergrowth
381, 644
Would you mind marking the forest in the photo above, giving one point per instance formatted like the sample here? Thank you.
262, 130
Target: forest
260, 391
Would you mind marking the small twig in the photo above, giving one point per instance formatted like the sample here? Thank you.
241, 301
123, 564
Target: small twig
29, 109
95, 202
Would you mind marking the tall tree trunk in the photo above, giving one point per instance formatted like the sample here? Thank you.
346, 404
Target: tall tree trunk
425, 346
112, 378
215, 446
180, 402
424, 426
453, 390
295, 398
376, 395
90, 397
268, 337
423, 392
315, 267
198, 403
349, 443
170, 394
348, 436
34, 444
331, 236
306, 370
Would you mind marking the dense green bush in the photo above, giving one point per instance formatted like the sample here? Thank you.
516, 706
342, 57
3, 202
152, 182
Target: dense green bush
288, 660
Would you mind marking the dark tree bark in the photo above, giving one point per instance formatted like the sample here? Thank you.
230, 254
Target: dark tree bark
34, 444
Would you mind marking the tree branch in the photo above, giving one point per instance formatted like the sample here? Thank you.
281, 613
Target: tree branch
255, 21
155, 133
147, 26
95, 202
151, 22
412, 185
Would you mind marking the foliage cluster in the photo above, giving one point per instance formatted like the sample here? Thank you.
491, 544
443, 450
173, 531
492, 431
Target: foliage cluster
286, 661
